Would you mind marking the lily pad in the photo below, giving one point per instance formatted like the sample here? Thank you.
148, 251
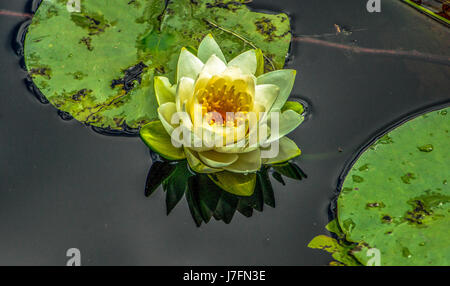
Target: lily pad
98, 64
337, 246
396, 197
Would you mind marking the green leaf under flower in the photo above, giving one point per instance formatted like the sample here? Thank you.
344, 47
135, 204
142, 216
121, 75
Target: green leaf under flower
156, 138
293, 105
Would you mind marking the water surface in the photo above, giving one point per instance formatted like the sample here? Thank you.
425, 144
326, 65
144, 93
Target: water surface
63, 185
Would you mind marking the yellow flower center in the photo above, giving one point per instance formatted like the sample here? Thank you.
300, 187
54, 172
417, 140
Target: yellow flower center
222, 95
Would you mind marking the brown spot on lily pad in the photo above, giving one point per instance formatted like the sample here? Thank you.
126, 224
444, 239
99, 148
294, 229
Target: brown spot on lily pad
266, 28
375, 205
41, 71
132, 74
87, 41
408, 177
426, 148
80, 94
357, 179
386, 219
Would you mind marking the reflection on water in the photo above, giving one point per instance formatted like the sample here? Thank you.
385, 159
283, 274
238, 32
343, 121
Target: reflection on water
205, 199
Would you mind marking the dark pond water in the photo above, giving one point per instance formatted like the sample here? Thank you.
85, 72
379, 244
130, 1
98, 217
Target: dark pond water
63, 185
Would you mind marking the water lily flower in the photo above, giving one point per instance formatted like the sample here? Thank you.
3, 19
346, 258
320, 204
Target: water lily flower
215, 112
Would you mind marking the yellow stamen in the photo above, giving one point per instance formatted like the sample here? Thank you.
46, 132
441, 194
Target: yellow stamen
222, 95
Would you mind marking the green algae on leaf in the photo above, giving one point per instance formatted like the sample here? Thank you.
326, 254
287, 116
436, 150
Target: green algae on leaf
426, 148
98, 64
402, 207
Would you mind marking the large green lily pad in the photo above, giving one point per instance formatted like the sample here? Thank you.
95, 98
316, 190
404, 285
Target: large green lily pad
396, 197
98, 64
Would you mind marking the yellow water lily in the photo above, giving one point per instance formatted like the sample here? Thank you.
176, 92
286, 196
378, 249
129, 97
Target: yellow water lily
216, 112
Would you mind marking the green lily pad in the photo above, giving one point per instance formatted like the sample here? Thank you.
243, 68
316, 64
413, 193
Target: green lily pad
340, 249
396, 197
98, 64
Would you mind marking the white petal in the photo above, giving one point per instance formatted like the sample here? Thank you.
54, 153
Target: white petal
266, 94
247, 163
235, 148
164, 91
185, 92
288, 121
246, 62
188, 65
284, 79
165, 113
287, 151
196, 164
187, 132
225, 135
209, 47
213, 66
217, 160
